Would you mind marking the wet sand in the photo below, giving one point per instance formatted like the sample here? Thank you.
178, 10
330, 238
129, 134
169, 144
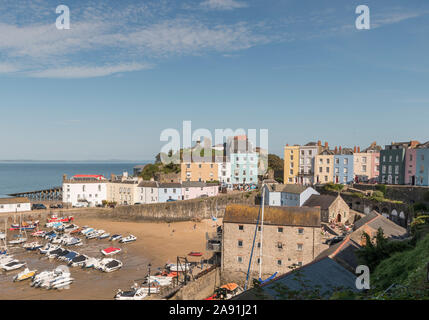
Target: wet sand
156, 244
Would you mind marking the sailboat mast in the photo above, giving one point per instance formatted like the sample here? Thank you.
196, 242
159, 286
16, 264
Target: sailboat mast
262, 232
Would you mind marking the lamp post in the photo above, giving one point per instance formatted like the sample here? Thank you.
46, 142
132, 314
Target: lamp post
149, 265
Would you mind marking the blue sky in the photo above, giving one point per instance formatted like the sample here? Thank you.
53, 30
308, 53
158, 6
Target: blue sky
126, 70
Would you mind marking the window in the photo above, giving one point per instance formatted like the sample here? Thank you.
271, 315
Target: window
259, 244
240, 243
291, 171
396, 169
397, 158
279, 262
300, 231
327, 169
240, 259
240, 227
299, 247
327, 161
320, 161
364, 168
279, 245
174, 190
99, 187
188, 165
165, 190
346, 161
337, 161
259, 228
279, 229
320, 169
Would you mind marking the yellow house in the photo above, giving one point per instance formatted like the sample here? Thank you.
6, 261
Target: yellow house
199, 171
324, 167
291, 164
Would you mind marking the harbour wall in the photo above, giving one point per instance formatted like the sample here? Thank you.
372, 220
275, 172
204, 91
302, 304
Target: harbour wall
201, 288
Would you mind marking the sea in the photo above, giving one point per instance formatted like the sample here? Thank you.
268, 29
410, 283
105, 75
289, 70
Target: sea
30, 176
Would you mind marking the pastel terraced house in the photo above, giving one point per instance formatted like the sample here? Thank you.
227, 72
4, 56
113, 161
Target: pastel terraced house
244, 168
199, 171
422, 164
343, 165
169, 192
196, 189
324, 167
147, 192
291, 164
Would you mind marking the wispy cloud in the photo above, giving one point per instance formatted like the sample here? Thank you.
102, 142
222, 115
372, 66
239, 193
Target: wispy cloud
223, 4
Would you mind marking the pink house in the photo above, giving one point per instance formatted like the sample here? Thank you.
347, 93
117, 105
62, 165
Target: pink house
375, 165
410, 166
197, 189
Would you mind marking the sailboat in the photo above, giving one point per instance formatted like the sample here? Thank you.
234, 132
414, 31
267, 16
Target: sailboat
20, 238
3, 237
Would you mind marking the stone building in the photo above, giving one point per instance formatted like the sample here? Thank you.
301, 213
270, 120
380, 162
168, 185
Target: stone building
291, 236
332, 208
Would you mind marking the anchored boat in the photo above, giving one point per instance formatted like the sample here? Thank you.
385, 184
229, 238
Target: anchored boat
110, 251
24, 275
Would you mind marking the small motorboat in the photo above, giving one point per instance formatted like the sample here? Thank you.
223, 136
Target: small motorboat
109, 265
94, 234
133, 294
110, 251
159, 280
195, 254
104, 235
78, 261
61, 282
76, 231
86, 230
73, 242
91, 263
153, 288
130, 238
32, 246
115, 237
24, 275
2, 236
69, 256
49, 247
54, 253
13, 265
40, 233
71, 227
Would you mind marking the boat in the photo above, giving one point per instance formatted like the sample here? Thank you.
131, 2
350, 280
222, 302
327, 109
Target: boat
104, 235
5, 259
179, 268
109, 265
130, 238
55, 218
32, 246
61, 282
70, 228
24, 275
94, 234
153, 288
226, 292
86, 230
115, 237
40, 233
73, 242
60, 255
110, 251
19, 239
160, 280
54, 253
91, 263
2, 236
78, 261
13, 265
69, 256
195, 254
133, 294
49, 247
76, 231
50, 235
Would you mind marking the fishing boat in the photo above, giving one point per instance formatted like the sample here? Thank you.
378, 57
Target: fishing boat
24, 226
109, 265
195, 254
130, 238
115, 237
32, 246
78, 261
13, 265
104, 235
110, 251
24, 275
133, 294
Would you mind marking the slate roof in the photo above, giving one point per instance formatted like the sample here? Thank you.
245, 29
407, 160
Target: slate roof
279, 216
343, 252
170, 185
148, 184
323, 201
190, 184
359, 223
289, 188
325, 273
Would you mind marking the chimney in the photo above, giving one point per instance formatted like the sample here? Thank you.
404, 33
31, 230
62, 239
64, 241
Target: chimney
64, 177
287, 144
336, 149
112, 177
354, 149
358, 149
319, 143
340, 149
326, 145
414, 143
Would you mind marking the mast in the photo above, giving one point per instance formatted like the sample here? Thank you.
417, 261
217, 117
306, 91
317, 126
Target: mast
262, 232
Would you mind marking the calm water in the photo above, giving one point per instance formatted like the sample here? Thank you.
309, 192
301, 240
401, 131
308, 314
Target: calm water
28, 176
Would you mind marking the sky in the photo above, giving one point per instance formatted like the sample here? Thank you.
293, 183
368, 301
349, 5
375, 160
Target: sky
127, 70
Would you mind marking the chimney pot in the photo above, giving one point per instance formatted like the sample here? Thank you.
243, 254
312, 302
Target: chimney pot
326, 145
354, 149
319, 143
358, 149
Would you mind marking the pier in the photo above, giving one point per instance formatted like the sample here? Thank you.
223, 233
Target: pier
53, 194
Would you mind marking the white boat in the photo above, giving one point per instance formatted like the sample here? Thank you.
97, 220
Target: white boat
115, 237
180, 267
133, 294
60, 282
92, 263
40, 233
78, 261
104, 235
59, 239
13, 265
24, 275
48, 248
86, 230
130, 238
5, 259
54, 253
32, 246
160, 280
93, 234
20, 239
2, 236
153, 288
70, 228
45, 278
109, 265
73, 242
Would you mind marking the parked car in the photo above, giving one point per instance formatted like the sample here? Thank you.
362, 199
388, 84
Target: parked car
38, 206
334, 240
171, 200
80, 205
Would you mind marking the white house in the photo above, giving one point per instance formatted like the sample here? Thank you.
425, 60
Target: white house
288, 195
18, 204
89, 190
147, 192
224, 173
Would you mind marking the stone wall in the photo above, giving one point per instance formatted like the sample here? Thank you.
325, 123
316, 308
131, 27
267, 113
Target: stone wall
201, 288
408, 194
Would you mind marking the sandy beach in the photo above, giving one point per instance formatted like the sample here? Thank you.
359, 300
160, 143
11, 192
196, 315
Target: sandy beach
157, 244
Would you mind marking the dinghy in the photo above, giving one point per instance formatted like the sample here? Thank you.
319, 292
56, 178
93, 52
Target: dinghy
13, 265
115, 237
195, 254
130, 238
24, 275
110, 251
